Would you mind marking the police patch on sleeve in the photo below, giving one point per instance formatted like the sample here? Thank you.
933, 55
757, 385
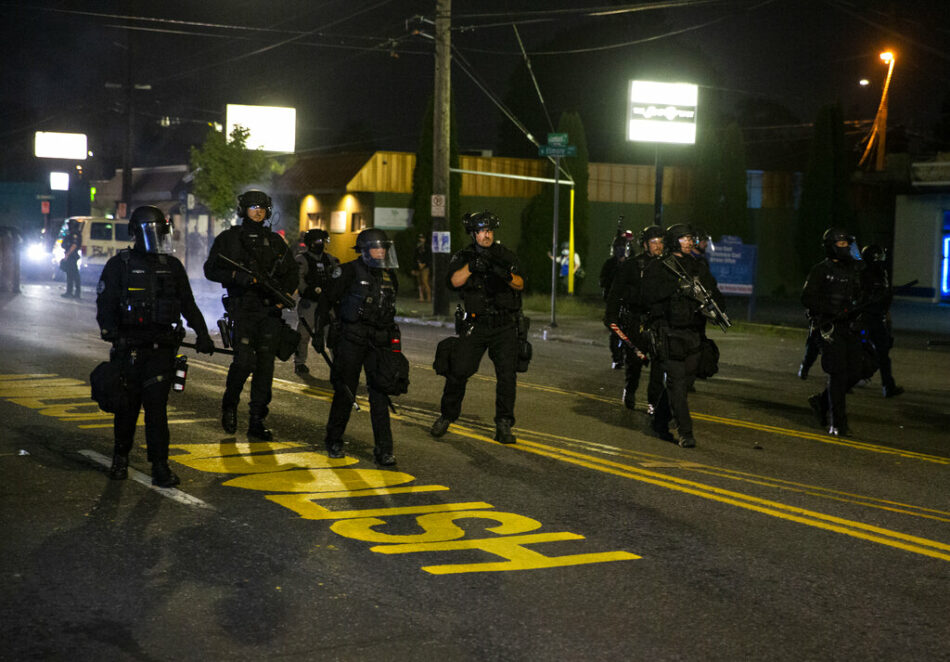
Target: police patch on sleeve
337, 272
101, 287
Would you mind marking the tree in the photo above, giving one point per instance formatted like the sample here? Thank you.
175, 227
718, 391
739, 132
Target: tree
720, 199
224, 167
536, 219
825, 190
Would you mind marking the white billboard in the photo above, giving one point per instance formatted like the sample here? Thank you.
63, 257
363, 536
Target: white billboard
272, 128
662, 112
59, 181
51, 145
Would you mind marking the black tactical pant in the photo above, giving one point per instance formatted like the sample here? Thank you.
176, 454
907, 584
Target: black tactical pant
350, 357
841, 360
148, 373
255, 348
616, 348
679, 360
880, 337
502, 345
633, 370
71, 267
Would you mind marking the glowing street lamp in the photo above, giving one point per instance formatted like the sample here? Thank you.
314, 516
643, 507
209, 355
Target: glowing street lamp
879, 130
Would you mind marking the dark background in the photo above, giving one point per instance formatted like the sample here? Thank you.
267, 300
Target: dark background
359, 74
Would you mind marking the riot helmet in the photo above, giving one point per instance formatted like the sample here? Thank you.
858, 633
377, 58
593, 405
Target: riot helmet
830, 241
702, 241
474, 222
676, 232
873, 253
316, 240
151, 230
254, 198
648, 234
376, 249
620, 249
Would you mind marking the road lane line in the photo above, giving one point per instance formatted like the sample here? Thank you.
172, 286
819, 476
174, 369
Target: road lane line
172, 493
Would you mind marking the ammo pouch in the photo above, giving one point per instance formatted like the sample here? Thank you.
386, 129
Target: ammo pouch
677, 344
708, 359
524, 347
287, 341
109, 388
443, 356
387, 371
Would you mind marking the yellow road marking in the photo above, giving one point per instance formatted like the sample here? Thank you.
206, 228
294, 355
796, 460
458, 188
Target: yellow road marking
816, 519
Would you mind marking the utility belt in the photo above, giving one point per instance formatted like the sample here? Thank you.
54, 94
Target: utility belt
466, 322
361, 333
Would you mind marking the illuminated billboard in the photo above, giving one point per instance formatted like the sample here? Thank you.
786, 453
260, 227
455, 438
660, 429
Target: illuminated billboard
272, 128
59, 181
662, 112
50, 145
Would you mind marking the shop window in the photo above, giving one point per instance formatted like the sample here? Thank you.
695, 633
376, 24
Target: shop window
316, 221
357, 222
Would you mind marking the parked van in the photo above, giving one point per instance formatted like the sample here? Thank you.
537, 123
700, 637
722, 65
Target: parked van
101, 239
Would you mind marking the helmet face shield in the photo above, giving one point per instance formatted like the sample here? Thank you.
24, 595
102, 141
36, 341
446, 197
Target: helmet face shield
379, 254
157, 237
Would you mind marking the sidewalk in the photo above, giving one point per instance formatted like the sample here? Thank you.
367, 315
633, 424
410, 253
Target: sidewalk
932, 321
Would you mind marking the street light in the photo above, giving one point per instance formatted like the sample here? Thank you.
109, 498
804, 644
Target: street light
879, 131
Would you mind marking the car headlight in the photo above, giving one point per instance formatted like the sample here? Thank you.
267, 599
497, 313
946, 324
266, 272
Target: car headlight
36, 252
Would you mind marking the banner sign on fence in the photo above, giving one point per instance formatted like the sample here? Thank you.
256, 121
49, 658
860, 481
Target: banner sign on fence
733, 265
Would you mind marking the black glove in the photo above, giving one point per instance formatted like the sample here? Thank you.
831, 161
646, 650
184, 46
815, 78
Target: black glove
204, 344
479, 264
317, 341
503, 271
243, 279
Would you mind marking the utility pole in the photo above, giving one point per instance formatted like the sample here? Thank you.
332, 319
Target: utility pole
125, 203
441, 141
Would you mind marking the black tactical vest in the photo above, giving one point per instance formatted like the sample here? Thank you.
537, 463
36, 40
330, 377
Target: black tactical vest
150, 293
318, 275
370, 299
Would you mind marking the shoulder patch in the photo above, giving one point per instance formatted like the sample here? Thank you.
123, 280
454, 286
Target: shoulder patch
101, 287
337, 272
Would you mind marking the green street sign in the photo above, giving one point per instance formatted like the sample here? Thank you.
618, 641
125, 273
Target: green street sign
551, 150
557, 140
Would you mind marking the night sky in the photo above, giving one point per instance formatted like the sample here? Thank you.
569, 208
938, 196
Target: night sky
360, 78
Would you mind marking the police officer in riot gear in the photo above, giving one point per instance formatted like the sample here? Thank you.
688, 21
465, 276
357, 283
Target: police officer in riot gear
72, 244
875, 313
316, 267
363, 297
619, 251
251, 305
676, 323
487, 275
832, 294
625, 310
142, 293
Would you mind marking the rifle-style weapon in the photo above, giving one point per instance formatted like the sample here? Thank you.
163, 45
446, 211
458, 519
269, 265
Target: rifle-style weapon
264, 281
696, 290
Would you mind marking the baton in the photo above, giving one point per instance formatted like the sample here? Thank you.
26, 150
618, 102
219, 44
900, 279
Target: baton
326, 357
216, 349
626, 340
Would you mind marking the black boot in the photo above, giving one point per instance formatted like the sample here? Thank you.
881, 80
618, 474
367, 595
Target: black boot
440, 427
120, 467
229, 419
819, 407
384, 458
256, 428
335, 449
163, 476
503, 432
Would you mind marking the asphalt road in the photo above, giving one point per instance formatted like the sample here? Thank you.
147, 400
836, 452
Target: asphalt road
587, 540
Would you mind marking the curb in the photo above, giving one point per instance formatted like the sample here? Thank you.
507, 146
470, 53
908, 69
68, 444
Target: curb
545, 333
